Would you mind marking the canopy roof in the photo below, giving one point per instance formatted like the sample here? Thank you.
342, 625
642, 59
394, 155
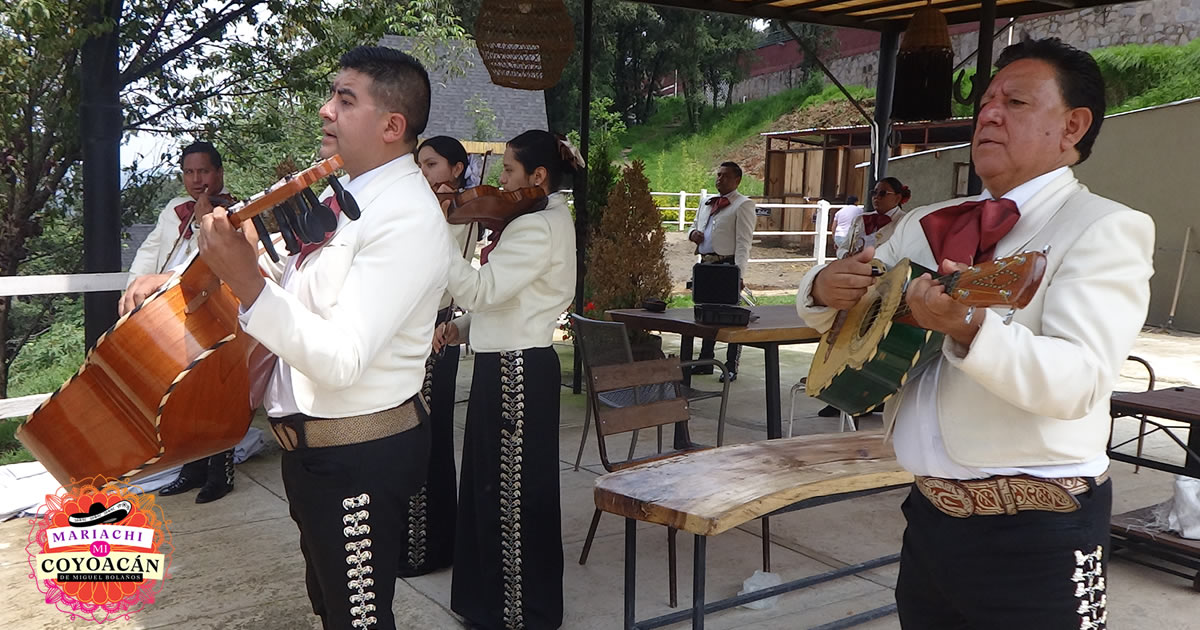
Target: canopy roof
875, 15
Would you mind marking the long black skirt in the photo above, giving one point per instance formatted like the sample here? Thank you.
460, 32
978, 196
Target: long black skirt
429, 543
508, 558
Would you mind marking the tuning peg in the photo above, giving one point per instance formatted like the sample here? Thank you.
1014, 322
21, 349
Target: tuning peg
297, 214
285, 228
322, 214
1046, 249
1009, 316
970, 314
345, 200
264, 237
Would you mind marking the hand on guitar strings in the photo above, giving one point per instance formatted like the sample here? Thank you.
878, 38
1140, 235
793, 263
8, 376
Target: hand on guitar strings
934, 310
141, 288
446, 334
843, 282
231, 254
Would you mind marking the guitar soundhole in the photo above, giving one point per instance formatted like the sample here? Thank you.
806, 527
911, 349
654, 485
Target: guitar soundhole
869, 317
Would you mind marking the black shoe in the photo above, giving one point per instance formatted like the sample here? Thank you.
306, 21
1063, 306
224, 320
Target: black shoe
727, 377
220, 478
702, 369
192, 476
829, 412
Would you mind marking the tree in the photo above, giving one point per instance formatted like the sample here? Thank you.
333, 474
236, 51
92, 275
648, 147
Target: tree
187, 66
626, 260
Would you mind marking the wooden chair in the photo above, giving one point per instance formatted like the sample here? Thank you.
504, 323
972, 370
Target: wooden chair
662, 378
607, 343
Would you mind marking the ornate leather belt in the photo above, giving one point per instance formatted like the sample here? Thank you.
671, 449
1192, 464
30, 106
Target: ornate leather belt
301, 431
716, 258
1005, 495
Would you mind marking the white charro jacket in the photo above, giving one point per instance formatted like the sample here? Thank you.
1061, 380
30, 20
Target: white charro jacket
515, 299
356, 325
733, 227
1036, 392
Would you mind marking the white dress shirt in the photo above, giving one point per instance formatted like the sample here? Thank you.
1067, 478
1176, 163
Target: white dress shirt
917, 434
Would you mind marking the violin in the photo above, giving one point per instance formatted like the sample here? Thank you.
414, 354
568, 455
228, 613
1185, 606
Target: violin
491, 207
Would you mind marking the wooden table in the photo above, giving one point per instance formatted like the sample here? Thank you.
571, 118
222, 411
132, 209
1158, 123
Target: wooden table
776, 325
1181, 404
712, 491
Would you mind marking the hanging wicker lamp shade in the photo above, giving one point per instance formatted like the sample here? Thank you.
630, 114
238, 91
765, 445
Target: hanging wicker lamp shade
924, 68
524, 44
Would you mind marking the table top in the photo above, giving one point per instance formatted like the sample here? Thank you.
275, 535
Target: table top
776, 323
1172, 403
711, 491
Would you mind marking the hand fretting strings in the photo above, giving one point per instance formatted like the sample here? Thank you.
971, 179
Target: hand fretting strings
950, 281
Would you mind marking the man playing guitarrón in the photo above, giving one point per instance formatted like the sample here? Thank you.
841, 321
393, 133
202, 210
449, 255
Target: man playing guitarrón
1006, 431
351, 322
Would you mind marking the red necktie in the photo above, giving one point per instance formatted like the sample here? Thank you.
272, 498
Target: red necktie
184, 212
873, 221
969, 232
308, 248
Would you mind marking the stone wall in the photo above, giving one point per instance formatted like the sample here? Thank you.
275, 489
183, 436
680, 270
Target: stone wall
1173, 22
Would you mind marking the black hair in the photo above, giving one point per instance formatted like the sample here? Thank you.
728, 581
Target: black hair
202, 147
897, 187
1079, 79
852, 199
536, 148
399, 83
734, 167
452, 150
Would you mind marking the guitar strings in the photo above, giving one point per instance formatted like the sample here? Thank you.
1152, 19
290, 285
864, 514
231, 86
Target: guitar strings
949, 281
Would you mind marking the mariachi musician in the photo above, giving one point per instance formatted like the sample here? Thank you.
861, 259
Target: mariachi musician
171, 243
351, 319
508, 558
429, 545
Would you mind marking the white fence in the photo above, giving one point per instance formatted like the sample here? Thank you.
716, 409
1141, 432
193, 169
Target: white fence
821, 234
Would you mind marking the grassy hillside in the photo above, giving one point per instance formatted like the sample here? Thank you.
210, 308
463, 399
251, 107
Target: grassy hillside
678, 159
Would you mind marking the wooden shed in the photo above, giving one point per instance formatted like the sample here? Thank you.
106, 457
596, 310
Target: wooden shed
806, 165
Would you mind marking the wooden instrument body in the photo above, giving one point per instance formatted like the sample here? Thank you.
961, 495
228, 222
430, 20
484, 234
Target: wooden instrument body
491, 207
169, 383
868, 355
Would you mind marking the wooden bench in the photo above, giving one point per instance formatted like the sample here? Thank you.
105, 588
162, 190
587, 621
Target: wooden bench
712, 491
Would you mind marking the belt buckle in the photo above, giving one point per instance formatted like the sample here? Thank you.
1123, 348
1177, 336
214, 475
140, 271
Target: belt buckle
948, 496
288, 433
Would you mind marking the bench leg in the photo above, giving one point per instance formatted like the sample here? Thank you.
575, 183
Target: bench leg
698, 584
766, 542
630, 571
672, 573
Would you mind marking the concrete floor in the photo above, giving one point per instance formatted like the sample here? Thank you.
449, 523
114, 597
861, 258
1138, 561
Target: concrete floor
237, 563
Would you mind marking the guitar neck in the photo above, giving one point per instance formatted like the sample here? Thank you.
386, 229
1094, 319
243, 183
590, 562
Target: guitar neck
285, 190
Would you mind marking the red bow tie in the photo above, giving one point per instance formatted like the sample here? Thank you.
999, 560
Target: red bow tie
308, 248
873, 221
184, 211
970, 231
717, 203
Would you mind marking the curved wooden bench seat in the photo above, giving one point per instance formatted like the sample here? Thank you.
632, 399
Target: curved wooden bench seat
711, 491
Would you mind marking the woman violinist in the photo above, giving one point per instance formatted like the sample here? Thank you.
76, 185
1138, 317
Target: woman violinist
429, 545
508, 558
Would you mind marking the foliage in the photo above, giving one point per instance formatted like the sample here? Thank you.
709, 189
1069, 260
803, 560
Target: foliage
626, 259
247, 73
680, 160
483, 119
606, 128
1144, 76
